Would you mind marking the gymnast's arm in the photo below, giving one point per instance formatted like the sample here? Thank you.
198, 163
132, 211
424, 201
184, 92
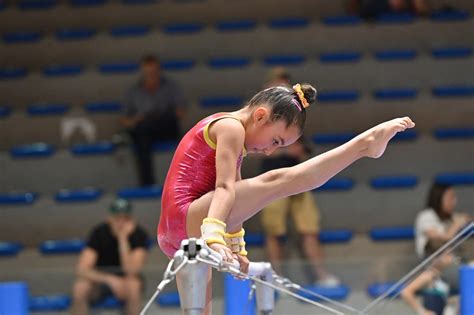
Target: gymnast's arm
229, 135
85, 267
408, 293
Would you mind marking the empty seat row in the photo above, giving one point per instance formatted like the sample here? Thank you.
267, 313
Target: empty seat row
83, 33
154, 192
41, 150
217, 63
62, 302
325, 96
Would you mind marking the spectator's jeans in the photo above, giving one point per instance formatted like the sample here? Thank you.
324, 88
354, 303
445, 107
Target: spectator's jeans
163, 127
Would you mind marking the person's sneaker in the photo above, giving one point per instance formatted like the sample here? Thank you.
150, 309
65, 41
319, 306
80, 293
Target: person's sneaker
328, 281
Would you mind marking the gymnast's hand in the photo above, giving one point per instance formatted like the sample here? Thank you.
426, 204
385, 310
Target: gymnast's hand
243, 262
224, 251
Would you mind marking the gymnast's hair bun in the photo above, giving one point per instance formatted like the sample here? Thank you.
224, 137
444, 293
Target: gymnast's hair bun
309, 92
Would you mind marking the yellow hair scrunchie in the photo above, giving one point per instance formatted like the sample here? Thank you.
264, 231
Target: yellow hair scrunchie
299, 92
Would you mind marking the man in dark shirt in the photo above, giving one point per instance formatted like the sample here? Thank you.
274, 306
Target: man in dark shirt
153, 110
112, 262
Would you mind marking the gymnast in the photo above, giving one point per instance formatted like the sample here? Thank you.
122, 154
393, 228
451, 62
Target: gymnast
204, 195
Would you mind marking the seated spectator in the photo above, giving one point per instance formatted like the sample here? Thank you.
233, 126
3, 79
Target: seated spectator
112, 262
438, 222
433, 226
434, 290
371, 9
154, 107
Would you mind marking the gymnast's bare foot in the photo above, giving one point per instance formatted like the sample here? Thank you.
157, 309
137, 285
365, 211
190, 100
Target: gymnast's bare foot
379, 136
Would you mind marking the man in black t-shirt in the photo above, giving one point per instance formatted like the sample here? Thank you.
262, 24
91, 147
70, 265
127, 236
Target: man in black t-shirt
112, 262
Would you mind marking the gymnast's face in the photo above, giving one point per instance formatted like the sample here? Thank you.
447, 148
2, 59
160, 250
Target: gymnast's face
265, 136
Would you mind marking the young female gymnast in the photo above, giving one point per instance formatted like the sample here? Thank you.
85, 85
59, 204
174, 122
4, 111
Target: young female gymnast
204, 195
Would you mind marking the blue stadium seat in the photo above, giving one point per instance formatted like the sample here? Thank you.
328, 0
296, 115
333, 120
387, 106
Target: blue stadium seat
138, 2
183, 28
178, 65
78, 195
254, 239
336, 138
340, 56
284, 60
12, 73
408, 135
450, 16
36, 4
151, 243
32, 150
395, 55
5, 111
235, 25
21, 37
338, 96
47, 109
338, 293
9, 248
398, 18
229, 62
72, 246
388, 94
87, 3
342, 20
129, 31
119, 67
3, 5
458, 178
337, 184
392, 233
377, 289
18, 198
49, 303
62, 70
454, 133
453, 91
165, 146
103, 107
231, 101
109, 302
99, 148
452, 52
168, 299
70, 34
335, 236
394, 182
140, 192
289, 23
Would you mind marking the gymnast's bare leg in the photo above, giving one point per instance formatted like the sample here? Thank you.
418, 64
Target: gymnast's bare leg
253, 194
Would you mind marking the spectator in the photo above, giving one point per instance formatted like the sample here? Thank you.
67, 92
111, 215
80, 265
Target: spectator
435, 226
435, 291
154, 108
438, 222
305, 216
112, 262
371, 9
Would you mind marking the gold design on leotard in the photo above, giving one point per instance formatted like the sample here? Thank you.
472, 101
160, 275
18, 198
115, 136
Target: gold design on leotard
208, 139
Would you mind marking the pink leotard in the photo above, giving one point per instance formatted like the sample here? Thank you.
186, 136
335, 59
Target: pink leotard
192, 174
